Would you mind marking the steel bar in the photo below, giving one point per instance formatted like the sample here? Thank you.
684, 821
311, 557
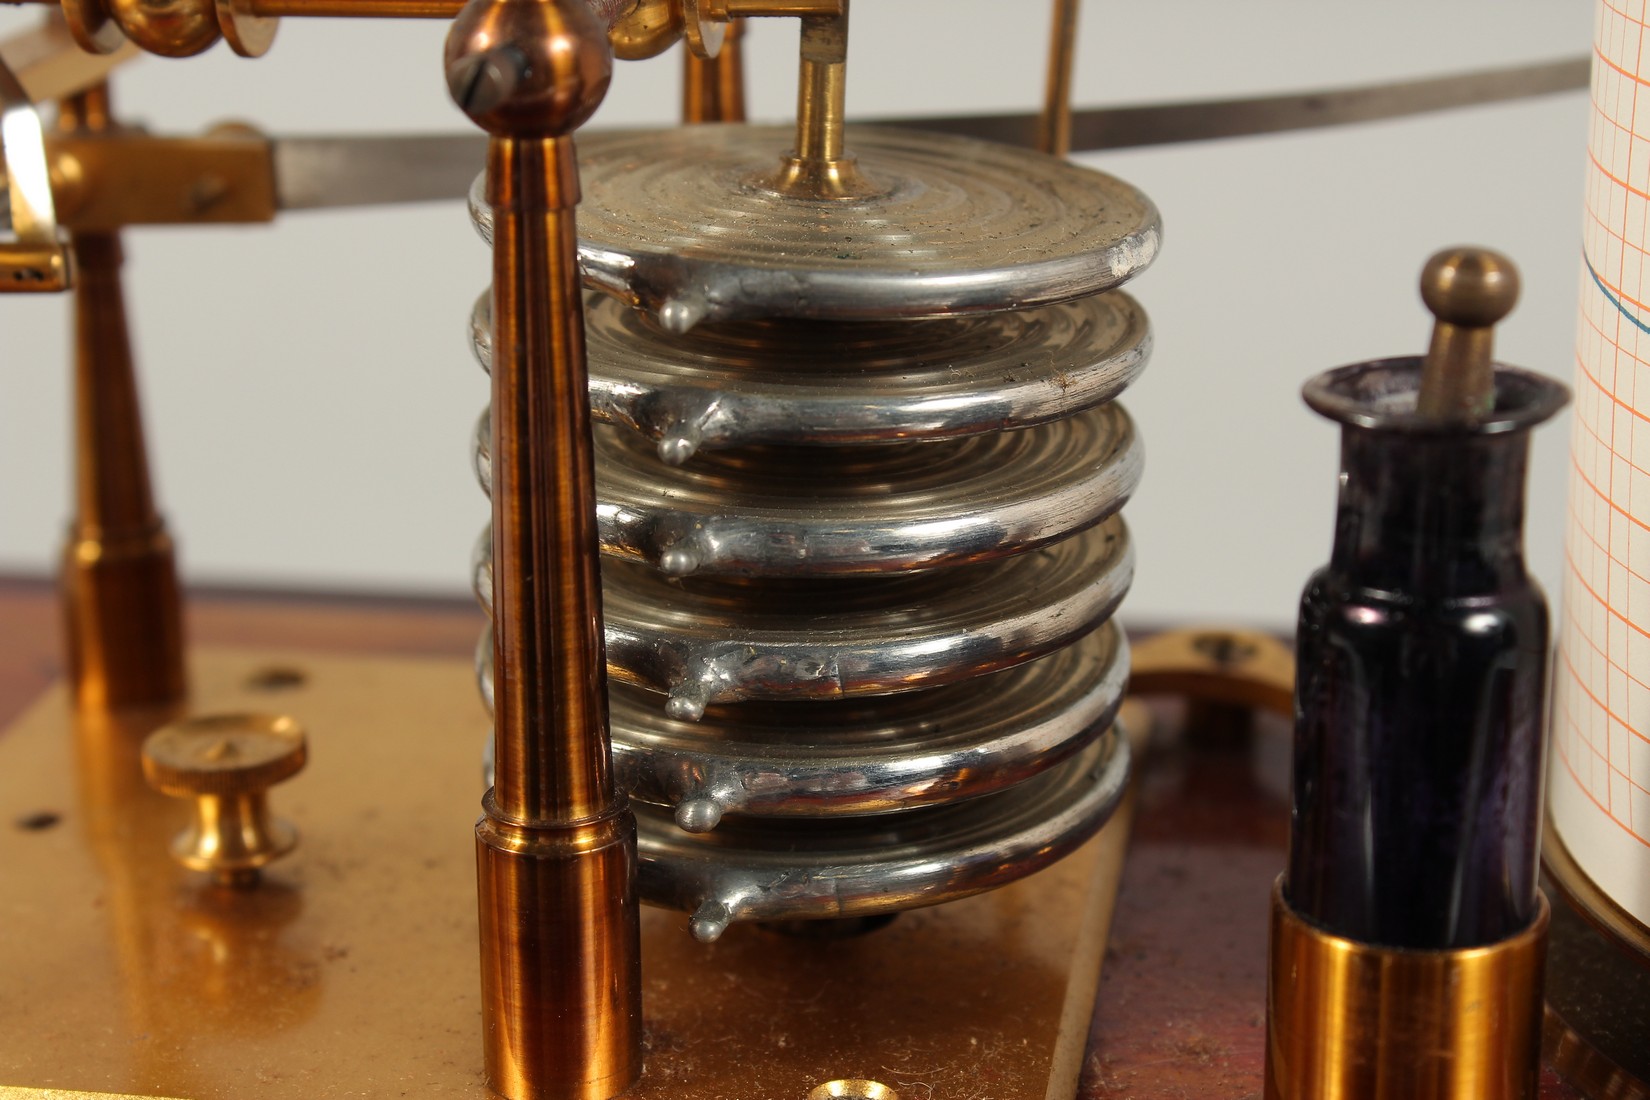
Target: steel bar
1206, 120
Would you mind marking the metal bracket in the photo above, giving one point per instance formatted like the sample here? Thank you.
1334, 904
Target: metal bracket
110, 180
35, 259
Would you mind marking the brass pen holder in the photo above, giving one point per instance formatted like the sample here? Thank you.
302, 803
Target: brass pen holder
1357, 1021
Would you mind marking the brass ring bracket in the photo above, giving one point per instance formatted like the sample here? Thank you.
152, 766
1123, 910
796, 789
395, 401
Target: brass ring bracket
92, 26
248, 35
1226, 666
35, 260
705, 32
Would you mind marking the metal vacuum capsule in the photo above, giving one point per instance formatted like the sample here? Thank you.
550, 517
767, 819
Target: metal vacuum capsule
859, 472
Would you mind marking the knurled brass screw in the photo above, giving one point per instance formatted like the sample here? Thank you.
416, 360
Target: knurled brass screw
227, 763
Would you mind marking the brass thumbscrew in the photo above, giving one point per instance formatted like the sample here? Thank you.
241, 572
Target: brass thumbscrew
227, 763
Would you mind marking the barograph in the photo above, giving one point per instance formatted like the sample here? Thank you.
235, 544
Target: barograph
800, 720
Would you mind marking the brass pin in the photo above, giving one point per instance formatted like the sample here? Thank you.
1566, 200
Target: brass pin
1468, 291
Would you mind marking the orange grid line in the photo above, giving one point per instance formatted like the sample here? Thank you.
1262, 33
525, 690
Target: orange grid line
1606, 5
1588, 791
1593, 538
1575, 678
1609, 446
1631, 625
1572, 618
1625, 244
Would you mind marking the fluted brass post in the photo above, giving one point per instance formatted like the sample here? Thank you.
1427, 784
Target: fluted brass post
556, 845
713, 89
120, 587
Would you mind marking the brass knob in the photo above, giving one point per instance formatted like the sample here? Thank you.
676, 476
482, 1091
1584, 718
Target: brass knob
227, 763
1472, 287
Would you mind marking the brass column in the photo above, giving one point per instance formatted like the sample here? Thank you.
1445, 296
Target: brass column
556, 846
120, 587
821, 167
713, 89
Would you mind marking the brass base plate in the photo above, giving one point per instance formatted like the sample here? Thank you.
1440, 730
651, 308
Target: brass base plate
352, 969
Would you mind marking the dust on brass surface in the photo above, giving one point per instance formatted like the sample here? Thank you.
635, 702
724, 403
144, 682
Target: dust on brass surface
352, 970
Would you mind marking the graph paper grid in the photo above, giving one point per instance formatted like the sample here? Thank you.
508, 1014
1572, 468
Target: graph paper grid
1600, 777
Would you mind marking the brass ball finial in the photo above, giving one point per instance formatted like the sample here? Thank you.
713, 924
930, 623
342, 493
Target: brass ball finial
528, 68
1470, 287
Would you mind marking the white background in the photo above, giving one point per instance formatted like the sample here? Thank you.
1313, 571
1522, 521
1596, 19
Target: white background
310, 396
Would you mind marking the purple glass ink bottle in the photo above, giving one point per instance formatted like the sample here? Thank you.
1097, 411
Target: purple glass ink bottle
1408, 933
1422, 645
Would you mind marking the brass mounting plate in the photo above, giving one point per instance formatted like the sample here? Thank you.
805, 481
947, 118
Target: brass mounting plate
352, 970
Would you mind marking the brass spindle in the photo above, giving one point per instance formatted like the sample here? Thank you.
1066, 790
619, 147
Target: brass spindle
120, 588
713, 89
821, 167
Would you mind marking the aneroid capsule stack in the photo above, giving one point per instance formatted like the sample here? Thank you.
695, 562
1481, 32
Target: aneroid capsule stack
858, 470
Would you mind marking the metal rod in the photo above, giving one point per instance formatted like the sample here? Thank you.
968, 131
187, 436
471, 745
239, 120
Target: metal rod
120, 589
1121, 127
735, 9
556, 847
352, 9
822, 95
1055, 136
1468, 290
608, 11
